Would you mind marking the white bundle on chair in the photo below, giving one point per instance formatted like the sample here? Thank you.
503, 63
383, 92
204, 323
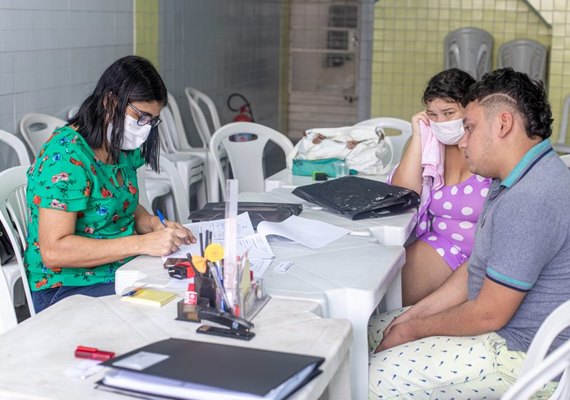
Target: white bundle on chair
361, 147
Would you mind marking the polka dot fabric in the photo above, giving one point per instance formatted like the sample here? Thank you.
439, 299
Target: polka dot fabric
452, 219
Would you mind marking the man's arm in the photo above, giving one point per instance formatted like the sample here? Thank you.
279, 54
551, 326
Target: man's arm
491, 310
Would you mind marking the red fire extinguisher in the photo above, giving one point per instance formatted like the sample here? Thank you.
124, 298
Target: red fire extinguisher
245, 114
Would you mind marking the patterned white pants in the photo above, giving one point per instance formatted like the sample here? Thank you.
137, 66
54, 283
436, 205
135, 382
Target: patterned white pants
442, 367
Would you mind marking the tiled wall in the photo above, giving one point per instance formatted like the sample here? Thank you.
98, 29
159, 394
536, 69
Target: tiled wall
557, 13
53, 51
221, 47
409, 37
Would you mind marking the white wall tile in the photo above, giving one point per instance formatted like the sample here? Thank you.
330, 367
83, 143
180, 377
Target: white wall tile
52, 53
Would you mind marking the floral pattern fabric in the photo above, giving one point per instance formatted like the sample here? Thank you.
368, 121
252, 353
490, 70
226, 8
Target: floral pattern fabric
67, 175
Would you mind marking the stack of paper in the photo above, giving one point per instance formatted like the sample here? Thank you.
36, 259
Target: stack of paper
150, 297
308, 232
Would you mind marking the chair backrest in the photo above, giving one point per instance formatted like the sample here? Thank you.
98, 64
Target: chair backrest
177, 127
399, 141
538, 370
199, 102
13, 216
170, 174
560, 144
246, 157
73, 110
36, 128
167, 131
17, 145
566, 159
524, 55
470, 50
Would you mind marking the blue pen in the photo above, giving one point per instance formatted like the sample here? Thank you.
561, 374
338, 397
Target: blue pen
134, 291
161, 217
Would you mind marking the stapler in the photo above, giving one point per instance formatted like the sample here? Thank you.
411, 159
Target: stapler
238, 328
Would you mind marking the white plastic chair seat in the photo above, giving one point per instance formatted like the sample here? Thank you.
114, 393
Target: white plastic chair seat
246, 157
36, 128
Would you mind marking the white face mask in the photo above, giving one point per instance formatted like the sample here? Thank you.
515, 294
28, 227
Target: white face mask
134, 135
449, 132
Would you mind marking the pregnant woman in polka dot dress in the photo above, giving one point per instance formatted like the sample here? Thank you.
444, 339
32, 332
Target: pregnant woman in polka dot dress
446, 230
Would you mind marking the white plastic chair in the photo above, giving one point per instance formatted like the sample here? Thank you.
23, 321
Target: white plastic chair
72, 111
13, 214
470, 50
399, 141
524, 55
189, 163
566, 159
177, 206
150, 189
246, 158
17, 145
198, 102
36, 128
560, 145
538, 370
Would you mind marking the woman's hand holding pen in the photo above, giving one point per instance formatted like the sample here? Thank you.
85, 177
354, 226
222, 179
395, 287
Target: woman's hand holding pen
166, 237
164, 241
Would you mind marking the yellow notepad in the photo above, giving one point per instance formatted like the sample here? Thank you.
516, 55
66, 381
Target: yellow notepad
151, 297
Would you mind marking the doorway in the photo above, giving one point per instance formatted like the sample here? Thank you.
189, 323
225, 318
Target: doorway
323, 64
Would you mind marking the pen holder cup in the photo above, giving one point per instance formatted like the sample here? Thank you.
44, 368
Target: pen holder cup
187, 312
206, 289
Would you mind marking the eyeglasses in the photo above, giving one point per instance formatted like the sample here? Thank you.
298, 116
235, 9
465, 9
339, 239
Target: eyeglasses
145, 118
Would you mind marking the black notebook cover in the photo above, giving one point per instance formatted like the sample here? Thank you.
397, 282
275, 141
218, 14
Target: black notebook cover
359, 198
258, 211
239, 369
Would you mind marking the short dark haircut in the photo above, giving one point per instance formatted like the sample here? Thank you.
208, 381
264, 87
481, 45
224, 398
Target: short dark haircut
128, 79
525, 95
449, 85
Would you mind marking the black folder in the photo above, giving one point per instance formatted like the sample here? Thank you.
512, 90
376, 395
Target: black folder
359, 198
228, 368
258, 211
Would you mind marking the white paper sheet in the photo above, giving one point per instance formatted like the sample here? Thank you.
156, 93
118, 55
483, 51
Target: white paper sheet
256, 245
308, 232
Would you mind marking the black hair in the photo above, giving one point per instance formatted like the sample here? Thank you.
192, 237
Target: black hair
525, 95
449, 85
128, 79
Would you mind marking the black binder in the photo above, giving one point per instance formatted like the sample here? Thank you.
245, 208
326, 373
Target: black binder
219, 367
359, 198
258, 211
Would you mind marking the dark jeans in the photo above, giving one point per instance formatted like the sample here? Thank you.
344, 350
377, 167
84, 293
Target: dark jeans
44, 298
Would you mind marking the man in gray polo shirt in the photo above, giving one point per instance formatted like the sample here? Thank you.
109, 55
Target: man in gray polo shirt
468, 339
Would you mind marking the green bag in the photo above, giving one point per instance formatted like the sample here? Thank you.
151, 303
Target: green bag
326, 165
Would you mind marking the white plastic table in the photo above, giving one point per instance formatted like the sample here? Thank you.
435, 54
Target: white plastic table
347, 278
36, 353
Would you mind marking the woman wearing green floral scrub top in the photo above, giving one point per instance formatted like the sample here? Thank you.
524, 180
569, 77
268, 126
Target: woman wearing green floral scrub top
85, 218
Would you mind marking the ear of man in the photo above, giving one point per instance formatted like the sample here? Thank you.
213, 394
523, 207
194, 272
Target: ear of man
506, 121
